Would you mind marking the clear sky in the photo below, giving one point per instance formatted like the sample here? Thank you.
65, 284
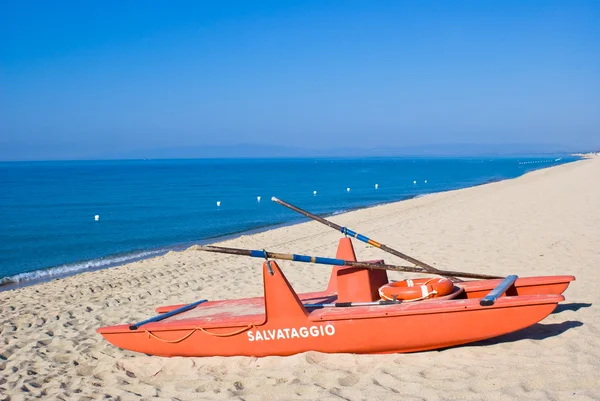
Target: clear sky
86, 79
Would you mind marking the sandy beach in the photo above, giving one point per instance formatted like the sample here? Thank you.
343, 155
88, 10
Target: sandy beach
544, 223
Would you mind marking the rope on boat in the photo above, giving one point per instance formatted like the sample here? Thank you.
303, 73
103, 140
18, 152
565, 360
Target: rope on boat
425, 294
150, 334
240, 331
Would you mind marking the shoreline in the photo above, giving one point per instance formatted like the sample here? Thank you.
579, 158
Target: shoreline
157, 252
41, 276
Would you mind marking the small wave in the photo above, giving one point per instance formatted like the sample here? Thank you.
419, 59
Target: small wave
342, 211
72, 268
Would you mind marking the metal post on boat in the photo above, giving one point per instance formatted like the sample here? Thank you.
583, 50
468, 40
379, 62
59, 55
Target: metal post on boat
500, 289
269, 267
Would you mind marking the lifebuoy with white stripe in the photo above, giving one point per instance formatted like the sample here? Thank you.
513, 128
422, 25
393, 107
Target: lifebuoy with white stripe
415, 290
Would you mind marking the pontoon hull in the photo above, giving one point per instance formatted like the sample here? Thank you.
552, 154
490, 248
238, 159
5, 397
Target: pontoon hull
280, 324
285, 327
459, 324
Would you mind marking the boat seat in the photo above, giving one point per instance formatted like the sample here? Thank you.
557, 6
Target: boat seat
355, 284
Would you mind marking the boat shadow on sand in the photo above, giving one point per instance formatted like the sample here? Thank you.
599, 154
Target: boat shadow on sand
574, 306
538, 331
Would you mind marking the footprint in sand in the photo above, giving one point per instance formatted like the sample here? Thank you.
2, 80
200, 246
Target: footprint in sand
34, 384
349, 380
314, 358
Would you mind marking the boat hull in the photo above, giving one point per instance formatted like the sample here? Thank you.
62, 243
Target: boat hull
536, 285
360, 330
282, 322
283, 326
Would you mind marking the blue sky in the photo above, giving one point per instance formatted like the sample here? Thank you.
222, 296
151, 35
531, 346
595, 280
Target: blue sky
93, 79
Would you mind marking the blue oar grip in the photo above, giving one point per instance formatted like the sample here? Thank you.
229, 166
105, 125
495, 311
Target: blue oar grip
317, 259
330, 261
360, 237
301, 258
258, 254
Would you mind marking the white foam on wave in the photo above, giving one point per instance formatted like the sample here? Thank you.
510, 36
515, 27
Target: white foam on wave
73, 268
338, 212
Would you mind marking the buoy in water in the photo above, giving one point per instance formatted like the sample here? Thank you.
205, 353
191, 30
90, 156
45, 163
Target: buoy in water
258, 198
97, 217
218, 203
376, 186
348, 189
415, 182
425, 181
315, 193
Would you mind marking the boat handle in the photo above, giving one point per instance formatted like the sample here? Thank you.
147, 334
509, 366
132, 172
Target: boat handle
500, 289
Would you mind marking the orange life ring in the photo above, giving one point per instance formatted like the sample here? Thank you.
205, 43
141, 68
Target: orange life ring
414, 290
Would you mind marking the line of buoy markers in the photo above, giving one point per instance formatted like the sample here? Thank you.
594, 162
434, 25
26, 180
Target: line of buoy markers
541, 161
258, 198
348, 189
97, 217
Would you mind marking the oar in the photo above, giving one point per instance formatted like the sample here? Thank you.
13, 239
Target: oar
500, 289
337, 262
166, 315
360, 237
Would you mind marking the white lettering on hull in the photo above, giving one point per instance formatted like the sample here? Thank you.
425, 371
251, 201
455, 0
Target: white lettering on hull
289, 333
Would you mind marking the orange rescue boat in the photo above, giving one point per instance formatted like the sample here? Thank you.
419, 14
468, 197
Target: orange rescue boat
348, 317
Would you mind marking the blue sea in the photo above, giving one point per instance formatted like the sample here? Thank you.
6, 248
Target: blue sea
147, 207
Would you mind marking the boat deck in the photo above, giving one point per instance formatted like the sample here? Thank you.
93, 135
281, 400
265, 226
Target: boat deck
251, 311
237, 311
247, 311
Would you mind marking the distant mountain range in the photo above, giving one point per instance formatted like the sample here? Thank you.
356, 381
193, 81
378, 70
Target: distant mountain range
257, 150
252, 150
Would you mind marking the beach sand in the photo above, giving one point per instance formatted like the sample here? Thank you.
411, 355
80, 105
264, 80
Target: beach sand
544, 223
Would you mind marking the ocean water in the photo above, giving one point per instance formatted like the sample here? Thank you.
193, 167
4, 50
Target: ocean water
146, 207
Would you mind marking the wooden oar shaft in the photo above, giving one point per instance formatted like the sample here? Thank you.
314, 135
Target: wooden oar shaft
307, 214
358, 236
336, 262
